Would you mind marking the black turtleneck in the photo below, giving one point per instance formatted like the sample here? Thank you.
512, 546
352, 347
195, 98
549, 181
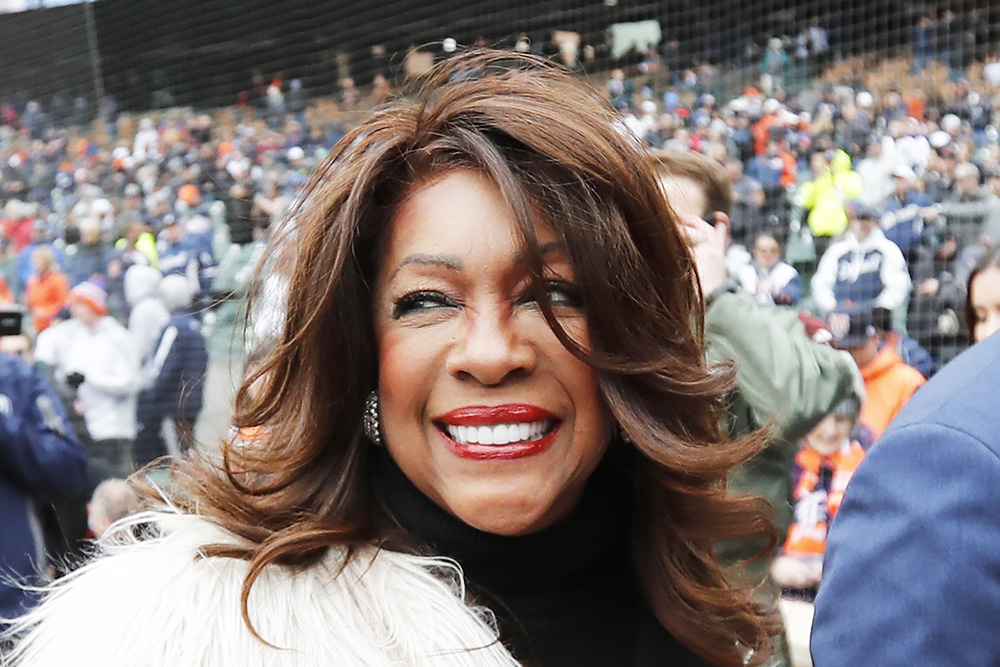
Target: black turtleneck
565, 595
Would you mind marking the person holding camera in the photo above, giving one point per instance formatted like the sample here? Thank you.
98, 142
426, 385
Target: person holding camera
100, 362
40, 461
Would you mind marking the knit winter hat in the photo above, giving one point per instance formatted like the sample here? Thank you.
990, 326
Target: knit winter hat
91, 295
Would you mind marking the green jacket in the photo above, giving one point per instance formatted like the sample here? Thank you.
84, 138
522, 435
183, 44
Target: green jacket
786, 382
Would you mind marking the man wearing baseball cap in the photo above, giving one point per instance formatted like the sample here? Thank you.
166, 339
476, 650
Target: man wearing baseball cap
889, 381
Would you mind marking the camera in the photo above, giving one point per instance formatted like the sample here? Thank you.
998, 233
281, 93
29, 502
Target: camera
11, 321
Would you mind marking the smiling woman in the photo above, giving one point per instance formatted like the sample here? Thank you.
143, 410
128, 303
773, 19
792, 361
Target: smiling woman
488, 359
484, 410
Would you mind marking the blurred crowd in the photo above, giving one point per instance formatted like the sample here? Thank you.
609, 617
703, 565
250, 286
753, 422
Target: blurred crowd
901, 161
129, 240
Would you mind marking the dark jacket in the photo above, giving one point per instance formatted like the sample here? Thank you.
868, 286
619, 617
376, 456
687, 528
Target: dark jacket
912, 570
181, 361
40, 461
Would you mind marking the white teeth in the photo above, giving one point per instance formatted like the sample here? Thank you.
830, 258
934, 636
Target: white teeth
501, 434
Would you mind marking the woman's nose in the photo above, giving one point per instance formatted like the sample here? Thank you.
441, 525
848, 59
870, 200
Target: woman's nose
492, 346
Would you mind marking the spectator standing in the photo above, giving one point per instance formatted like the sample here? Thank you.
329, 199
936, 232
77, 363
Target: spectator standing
176, 255
833, 184
47, 288
100, 359
296, 100
889, 382
41, 462
774, 66
148, 315
922, 44
971, 211
146, 144
864, 268
908, 214
172, 402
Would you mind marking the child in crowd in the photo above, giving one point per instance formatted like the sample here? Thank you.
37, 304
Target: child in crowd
823, 466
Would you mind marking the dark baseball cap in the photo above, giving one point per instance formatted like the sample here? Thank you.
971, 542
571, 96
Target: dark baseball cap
852, 326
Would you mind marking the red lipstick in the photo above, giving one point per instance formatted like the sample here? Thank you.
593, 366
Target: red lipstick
482, 415
512, 413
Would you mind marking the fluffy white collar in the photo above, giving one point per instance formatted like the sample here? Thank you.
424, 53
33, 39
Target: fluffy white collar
155, 602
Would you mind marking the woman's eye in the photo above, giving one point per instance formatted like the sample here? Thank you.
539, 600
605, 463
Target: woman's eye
421, 301
561, 294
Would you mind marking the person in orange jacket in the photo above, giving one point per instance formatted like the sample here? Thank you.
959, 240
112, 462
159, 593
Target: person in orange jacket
47, 289
889, 381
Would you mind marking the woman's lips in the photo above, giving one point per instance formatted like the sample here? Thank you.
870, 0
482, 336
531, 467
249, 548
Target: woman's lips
498, 432
489, 415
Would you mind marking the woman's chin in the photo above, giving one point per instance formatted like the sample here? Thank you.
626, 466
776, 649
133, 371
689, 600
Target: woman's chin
506, 523
509, 514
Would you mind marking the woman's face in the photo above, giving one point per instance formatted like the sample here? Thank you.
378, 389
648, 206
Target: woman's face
985, 298
481, 407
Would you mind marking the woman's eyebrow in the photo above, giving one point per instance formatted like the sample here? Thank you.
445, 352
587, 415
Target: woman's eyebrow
544, 249
429, 259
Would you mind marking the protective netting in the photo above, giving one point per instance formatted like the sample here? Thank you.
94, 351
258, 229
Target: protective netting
148, 146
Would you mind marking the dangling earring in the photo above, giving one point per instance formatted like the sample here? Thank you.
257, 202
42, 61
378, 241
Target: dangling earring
370, 420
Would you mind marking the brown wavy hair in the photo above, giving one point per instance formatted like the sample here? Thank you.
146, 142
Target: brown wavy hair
554, 149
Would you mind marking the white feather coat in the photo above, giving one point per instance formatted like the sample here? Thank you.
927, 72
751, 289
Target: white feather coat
156, 603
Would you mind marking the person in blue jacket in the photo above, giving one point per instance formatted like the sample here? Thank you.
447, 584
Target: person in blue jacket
912, 570
40, 461
910, 218
179, 364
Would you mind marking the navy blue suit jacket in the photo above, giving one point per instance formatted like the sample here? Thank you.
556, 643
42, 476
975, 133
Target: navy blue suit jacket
912, 569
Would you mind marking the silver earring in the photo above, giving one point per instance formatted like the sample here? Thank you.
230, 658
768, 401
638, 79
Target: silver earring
370, 420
